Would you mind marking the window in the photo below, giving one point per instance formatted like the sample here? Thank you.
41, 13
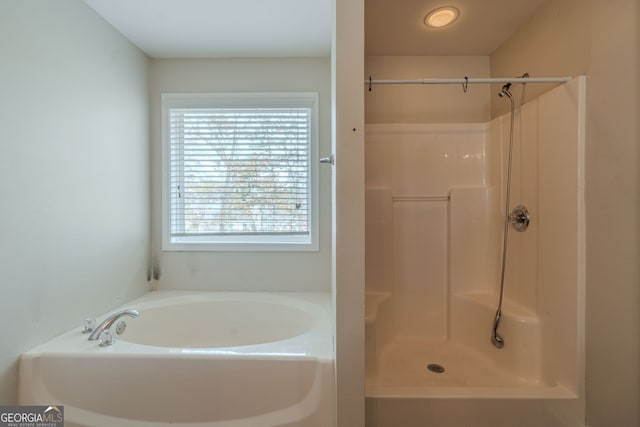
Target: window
239, 171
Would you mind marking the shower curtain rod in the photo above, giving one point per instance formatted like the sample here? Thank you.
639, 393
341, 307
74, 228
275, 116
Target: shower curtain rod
469, 80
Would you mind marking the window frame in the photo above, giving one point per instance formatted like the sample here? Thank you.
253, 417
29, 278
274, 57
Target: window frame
239, 100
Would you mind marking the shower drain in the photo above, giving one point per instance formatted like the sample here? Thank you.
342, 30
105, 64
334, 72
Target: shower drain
434, 367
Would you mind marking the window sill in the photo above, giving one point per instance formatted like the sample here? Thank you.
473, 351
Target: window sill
240, 247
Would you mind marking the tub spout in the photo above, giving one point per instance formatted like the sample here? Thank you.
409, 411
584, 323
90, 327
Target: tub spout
106, 323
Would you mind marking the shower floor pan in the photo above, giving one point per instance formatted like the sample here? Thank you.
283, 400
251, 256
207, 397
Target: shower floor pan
445, 369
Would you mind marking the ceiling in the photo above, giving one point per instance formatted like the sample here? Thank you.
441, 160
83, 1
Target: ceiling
280, 28
222, 28
395, 27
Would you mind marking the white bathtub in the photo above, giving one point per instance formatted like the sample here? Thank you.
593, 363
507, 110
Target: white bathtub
195, 359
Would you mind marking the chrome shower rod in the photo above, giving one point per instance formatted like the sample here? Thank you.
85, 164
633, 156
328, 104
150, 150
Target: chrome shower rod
471, 80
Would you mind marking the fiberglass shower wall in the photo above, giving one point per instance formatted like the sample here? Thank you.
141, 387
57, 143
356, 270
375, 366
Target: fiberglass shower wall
410, 172
434, 212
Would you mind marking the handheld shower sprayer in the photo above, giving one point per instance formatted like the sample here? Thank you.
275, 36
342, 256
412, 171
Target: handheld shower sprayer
496, 339
505, 91
507, 86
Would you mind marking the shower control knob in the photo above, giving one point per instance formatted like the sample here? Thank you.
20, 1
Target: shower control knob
520, 218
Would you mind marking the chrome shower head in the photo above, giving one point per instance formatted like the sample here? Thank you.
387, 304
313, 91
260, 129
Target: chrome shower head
505, 91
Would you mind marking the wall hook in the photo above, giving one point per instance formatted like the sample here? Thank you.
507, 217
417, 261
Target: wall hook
369, 83
465, 85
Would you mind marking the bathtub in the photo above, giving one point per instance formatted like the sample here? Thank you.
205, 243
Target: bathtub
214, 359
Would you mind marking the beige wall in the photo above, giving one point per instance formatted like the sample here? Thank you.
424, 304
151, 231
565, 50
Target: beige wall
74, 173
599, 39
347, 67
554, 43
244, 271
426, 103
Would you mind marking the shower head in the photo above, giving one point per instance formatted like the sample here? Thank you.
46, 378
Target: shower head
505, 91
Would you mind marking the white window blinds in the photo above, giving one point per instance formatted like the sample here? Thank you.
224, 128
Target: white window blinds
240, 174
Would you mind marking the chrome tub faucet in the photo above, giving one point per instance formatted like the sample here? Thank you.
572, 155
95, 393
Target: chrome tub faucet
110, 320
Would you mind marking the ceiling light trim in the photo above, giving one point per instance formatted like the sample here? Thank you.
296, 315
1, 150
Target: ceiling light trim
442, 17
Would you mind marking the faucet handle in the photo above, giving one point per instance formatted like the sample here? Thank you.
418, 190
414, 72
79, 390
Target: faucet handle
106, 338
88, 325
120, 327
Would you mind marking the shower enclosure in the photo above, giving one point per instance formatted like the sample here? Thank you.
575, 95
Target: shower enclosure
435, 195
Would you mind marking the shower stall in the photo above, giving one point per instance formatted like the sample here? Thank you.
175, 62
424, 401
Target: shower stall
435, 213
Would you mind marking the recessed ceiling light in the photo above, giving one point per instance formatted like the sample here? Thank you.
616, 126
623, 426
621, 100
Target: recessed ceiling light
441, 17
